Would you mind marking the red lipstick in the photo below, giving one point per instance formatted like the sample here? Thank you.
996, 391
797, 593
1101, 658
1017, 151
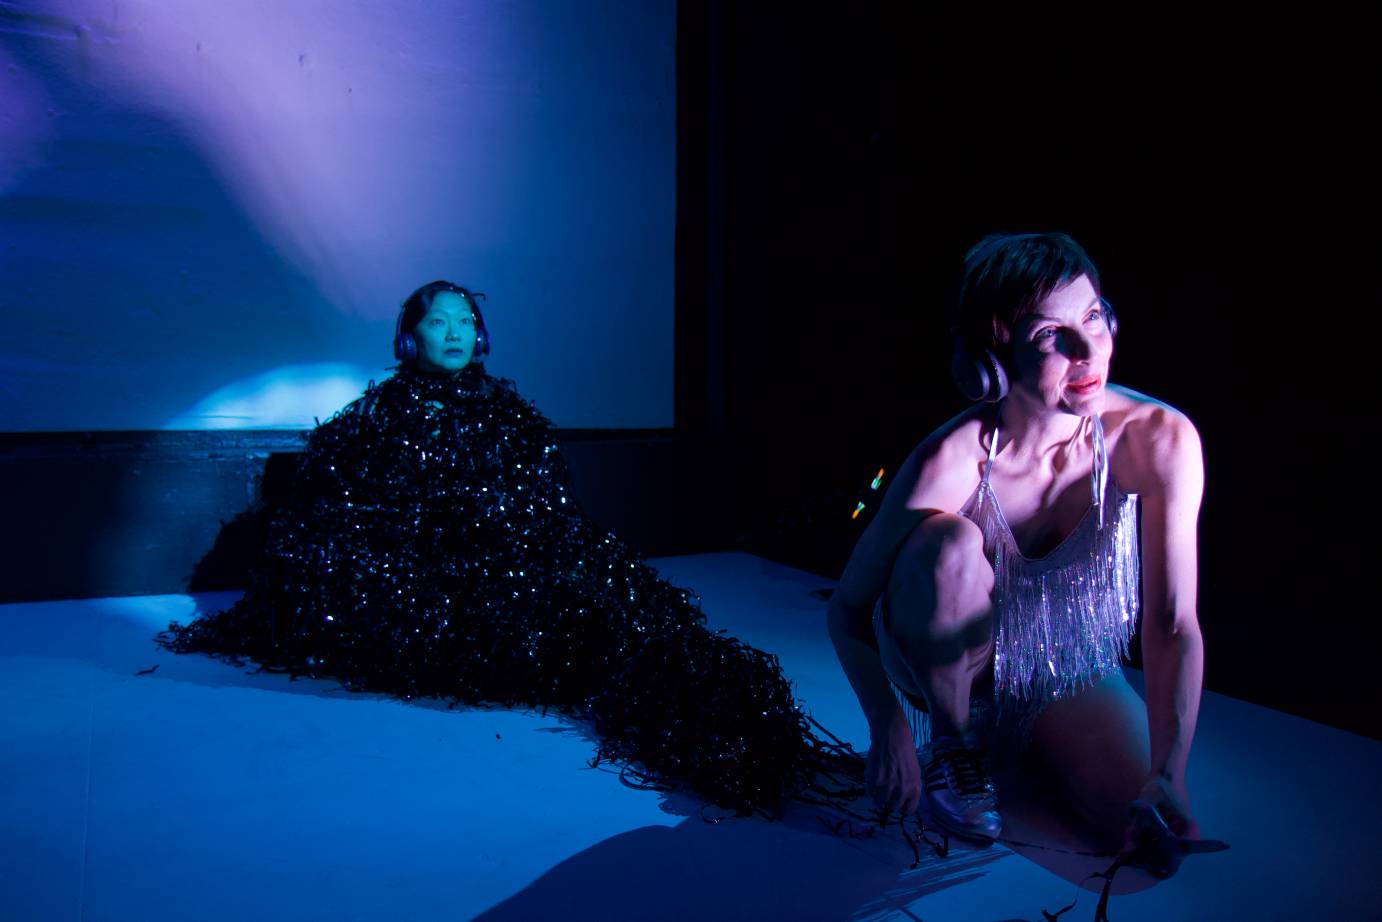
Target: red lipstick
1086, 385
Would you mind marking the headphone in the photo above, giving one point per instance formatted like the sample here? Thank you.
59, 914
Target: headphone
405, 347
982, 377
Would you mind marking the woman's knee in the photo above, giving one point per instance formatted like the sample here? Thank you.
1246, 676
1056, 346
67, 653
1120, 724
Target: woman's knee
941, 580
943, 556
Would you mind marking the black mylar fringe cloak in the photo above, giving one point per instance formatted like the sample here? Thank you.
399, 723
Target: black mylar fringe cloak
430, 549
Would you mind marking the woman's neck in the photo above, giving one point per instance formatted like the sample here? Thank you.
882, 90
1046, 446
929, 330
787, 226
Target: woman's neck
1041, 437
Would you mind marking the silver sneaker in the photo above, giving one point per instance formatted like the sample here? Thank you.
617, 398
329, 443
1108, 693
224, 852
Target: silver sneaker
960, 793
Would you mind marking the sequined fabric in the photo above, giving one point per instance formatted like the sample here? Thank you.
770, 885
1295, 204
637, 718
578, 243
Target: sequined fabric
1062, 621
430, 548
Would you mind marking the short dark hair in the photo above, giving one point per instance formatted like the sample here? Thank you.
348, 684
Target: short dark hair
1005, 277
417, 304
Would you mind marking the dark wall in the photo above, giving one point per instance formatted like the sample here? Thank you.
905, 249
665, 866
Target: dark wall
1218, 183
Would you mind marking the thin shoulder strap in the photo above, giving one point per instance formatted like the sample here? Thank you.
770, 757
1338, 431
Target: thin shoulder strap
1099, 474
993, 451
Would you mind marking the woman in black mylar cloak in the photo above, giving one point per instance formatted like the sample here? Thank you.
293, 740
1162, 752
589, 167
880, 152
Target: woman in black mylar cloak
430, 549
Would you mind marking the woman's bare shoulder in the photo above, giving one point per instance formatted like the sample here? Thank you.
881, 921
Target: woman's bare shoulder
1144, 429
945, 467
1127, 407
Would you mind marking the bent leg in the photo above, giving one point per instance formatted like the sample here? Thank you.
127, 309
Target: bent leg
1096, 744
937, 636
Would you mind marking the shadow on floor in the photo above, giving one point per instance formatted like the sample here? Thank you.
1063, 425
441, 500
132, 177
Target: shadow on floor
741, 869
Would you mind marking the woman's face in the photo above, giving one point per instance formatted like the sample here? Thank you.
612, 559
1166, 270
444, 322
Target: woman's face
445, 335
1061, 351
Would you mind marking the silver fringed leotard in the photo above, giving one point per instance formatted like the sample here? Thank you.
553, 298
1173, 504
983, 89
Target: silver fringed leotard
1063, 621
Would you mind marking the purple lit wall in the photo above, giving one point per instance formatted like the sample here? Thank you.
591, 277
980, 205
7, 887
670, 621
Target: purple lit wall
210, 211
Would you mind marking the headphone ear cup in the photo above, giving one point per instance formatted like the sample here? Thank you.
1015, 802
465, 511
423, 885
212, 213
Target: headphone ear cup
979, 378
999, 389
1110, 317
970, 375
404, 346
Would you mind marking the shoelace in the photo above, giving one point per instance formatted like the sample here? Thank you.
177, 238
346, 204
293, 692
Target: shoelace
965, 771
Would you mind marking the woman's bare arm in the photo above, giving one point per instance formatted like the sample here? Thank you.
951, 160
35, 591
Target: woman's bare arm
850, 617
927, 482
1172, 647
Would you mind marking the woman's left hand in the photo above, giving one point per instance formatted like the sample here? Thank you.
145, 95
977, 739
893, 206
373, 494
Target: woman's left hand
1152, 840
1172, 801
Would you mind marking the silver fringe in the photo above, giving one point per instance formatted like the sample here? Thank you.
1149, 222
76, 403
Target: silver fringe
1063, 621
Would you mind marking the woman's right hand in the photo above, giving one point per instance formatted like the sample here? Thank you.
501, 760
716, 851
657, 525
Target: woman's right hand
892, 773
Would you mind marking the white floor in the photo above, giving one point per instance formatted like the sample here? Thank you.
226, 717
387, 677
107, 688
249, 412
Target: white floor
199, 791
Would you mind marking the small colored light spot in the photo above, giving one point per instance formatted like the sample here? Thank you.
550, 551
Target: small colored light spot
857, 509
877, 480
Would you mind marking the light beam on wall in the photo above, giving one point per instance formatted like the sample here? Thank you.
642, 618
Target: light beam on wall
285, 398
208, 192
